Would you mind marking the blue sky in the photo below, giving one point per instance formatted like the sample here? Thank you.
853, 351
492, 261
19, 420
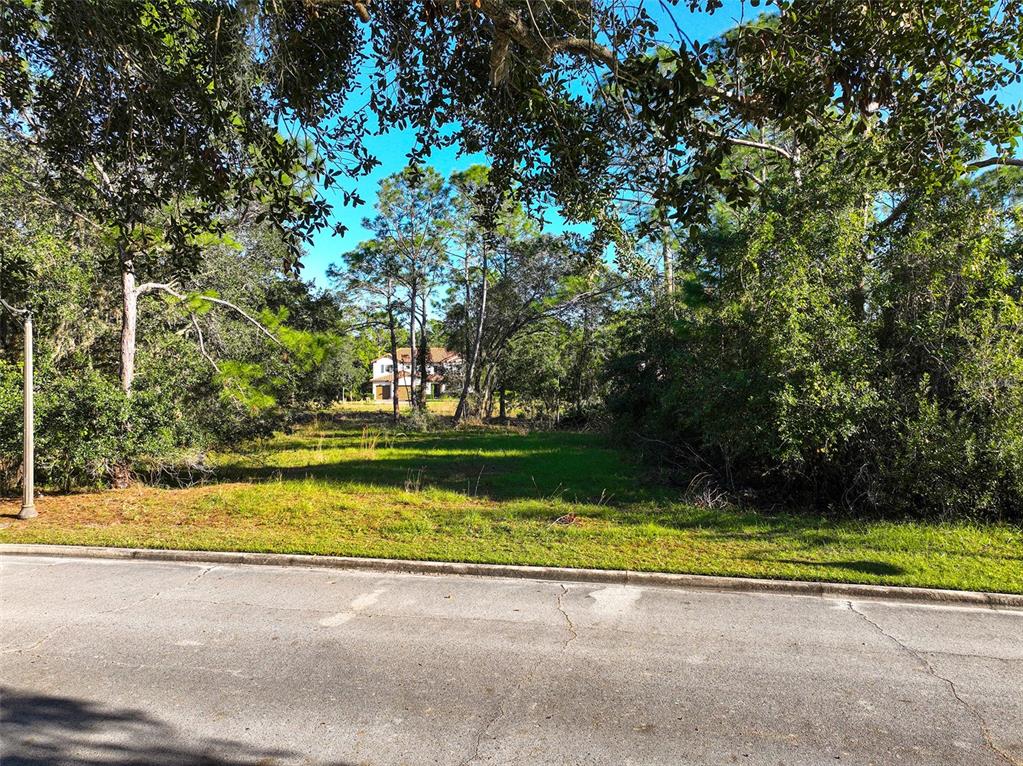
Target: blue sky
391, 149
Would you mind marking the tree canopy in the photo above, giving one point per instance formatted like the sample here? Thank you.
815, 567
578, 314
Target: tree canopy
248, 101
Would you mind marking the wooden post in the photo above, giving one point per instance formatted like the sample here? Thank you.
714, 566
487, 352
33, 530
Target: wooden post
28, 505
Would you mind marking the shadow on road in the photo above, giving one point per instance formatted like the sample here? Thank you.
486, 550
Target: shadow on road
43, 730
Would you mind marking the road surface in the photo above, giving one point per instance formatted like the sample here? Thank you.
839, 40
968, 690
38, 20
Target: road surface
132, 662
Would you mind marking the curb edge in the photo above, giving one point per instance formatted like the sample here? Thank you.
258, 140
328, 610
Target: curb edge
568, 574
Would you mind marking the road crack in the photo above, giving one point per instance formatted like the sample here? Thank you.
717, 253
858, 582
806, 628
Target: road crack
926, 665
38, 643
205, 571
573, 635
502, 709
499, 713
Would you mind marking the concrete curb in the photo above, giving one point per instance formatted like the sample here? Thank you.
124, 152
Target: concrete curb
604, 576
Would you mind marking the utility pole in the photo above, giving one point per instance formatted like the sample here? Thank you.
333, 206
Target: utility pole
28, 504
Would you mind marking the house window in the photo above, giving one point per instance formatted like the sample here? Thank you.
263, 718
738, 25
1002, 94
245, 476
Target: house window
390, 368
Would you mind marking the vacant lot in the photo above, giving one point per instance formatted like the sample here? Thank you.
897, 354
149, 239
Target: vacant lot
346, 484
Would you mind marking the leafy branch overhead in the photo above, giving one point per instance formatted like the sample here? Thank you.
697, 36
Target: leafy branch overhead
143, 104
567, 95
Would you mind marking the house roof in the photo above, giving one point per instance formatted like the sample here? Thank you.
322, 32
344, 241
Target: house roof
438, 355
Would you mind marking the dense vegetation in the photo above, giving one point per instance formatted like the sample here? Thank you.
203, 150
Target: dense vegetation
205, 374
806, 355
799, 282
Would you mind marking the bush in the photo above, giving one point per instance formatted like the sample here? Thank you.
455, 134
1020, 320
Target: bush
10, 426
804, 361
85, 427
420, 420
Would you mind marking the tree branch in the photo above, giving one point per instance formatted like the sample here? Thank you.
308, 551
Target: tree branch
759, 145
16, 312
988, 162
992, 161
587, 48
202, 343
148, 287
69, 210
893, 216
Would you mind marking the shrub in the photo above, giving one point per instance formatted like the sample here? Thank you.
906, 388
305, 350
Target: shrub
10, 425
80, 428
804, 360
420, 420
84, 427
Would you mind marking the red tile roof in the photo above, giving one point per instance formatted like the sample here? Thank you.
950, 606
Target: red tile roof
438, 355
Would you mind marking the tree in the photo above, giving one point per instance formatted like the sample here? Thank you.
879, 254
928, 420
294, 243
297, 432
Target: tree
371, 272
572, 98
531, 279
484, 219
412, 224
813, 360
143, 120
568, 100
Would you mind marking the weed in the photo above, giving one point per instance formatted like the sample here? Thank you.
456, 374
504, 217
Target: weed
370, 439
414, 480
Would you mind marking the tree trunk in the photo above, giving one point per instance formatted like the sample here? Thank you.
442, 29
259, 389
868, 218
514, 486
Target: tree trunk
129, 323
487, 391
502, 410
669, 267
581, 362
424, 349
121, 471
467, 339
859, 292
469, 368
413, 295
395, 375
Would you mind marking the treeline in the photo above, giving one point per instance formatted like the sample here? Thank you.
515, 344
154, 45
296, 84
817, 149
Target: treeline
830, 344
458, 262
801, 280
812, 348
233, 347
818, 349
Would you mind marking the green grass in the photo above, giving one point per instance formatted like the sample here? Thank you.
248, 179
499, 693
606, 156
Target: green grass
342, 486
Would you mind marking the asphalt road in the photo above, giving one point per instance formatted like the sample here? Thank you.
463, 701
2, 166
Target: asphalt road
130, 662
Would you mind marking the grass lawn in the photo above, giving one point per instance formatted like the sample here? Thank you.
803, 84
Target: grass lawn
347, 485
444, 406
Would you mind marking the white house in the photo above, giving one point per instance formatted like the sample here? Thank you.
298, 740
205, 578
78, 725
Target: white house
442, 366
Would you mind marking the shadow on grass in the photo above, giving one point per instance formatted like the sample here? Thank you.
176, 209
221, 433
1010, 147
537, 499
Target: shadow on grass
507, 466
491, 463
524, 479
41, 730
860, 567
